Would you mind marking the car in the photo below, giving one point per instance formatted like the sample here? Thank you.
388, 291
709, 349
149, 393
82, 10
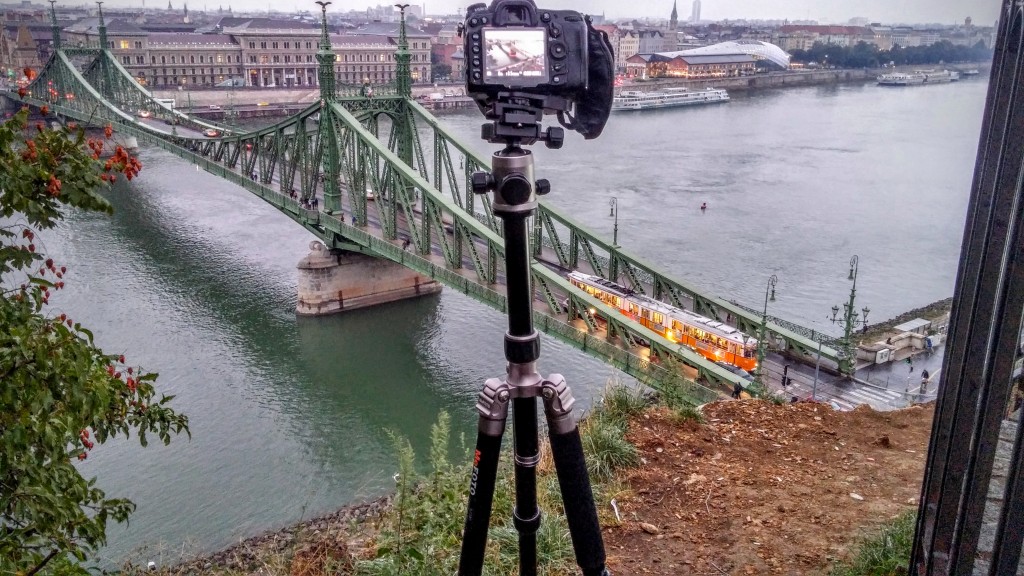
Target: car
145, 113
214, 107
369, 194
736, 370
263, 103
211, 133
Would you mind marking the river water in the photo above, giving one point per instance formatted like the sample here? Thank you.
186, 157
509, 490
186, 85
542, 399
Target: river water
194, 278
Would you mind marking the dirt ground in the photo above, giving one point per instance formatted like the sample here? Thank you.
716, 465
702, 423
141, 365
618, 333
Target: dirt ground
763, 489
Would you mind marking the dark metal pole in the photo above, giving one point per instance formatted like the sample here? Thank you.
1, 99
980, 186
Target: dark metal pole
983, 337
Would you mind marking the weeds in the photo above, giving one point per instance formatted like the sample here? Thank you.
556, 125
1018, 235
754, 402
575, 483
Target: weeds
886, 553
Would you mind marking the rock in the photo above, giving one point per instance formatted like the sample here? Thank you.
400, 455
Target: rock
856, 496
884, 442
649, 528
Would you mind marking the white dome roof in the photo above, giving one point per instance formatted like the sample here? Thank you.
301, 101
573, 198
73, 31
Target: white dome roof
757, 49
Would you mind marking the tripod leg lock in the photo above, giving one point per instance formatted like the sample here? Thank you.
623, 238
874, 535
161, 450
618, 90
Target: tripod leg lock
526, 525
522, 349
558, 403
492, 405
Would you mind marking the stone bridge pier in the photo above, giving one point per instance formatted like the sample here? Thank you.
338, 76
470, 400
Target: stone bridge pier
333, 281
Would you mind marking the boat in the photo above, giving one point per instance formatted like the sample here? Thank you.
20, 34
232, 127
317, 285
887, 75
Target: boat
971, 72
918, 77
667, 98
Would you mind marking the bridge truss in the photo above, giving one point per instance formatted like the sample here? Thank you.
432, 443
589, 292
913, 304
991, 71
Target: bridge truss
359, 142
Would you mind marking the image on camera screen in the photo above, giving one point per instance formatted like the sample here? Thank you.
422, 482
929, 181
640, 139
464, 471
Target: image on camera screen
516, 55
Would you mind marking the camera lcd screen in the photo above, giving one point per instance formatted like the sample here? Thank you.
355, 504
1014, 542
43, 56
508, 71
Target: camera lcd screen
515, 56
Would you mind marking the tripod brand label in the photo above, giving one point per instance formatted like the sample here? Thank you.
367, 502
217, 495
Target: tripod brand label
476, 473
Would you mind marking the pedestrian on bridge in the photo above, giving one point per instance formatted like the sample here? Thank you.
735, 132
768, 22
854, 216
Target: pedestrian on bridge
737, 390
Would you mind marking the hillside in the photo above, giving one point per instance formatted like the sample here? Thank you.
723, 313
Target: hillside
763, 489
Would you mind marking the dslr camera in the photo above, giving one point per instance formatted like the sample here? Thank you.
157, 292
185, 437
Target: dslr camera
514, 49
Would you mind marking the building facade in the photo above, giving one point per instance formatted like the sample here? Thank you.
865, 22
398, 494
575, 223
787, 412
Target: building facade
255, 52
669, 65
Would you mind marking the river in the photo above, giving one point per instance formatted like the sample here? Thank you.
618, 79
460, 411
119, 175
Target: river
194, 278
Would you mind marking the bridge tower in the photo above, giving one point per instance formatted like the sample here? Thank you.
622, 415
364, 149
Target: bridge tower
404, 79
54, 27
325, 75
335, 280
106, 87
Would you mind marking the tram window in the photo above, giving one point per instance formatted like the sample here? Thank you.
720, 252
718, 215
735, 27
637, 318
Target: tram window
645, 313
659, 318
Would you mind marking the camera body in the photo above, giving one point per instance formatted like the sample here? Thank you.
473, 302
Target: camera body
513, 45
516, 52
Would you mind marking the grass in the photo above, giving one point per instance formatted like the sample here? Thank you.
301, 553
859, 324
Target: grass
885, 553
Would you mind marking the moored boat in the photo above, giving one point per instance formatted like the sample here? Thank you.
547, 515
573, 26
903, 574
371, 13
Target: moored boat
918, 77
667, 98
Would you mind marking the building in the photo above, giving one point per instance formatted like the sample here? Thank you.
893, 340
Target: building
188, 60
695, 13
733, 58
681, 65
18, 53
274, 53
419, 46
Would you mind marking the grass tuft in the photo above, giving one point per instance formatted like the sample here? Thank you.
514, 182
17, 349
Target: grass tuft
886, 553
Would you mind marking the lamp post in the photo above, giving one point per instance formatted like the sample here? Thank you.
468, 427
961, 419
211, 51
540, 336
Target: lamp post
849, 321
613, 260
769, 295
613, 210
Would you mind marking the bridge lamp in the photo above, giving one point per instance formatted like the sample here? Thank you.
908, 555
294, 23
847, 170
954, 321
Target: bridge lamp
613, 210
769, 296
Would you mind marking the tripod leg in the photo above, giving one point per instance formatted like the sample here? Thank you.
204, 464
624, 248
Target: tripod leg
526, 516
492, 404
573, 480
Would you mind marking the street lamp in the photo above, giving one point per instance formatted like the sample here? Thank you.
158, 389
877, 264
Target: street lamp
849, 321
613, 210
769, 295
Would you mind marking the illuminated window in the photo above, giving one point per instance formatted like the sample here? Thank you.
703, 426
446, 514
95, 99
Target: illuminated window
124, 44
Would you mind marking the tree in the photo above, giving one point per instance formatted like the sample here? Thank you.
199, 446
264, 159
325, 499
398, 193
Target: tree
441, 71
60, 394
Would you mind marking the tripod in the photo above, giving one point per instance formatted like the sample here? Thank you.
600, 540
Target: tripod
515, 199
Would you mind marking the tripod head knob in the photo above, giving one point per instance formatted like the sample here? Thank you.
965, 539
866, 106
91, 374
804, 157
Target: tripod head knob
482, 182
543, 186
515, 189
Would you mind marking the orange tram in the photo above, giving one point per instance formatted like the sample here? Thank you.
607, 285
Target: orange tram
710, 338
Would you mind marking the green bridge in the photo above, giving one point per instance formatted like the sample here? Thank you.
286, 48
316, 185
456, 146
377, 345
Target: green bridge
424, 214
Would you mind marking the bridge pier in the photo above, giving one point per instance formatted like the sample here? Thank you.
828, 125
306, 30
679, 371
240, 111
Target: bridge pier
332, 281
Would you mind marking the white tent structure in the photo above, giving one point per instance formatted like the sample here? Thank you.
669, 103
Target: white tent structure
759, 50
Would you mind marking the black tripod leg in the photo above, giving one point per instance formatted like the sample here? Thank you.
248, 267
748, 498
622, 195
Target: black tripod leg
573, 480
492, 404
526, 516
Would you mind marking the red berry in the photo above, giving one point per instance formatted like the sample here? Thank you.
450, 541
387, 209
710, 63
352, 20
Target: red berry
121, 359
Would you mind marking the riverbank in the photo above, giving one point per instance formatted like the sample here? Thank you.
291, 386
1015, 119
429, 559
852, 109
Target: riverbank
936, 312
745, 487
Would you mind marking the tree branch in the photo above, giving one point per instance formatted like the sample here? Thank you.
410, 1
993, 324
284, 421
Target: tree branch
40, 566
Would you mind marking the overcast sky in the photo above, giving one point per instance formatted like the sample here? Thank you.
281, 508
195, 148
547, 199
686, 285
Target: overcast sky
984, 12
